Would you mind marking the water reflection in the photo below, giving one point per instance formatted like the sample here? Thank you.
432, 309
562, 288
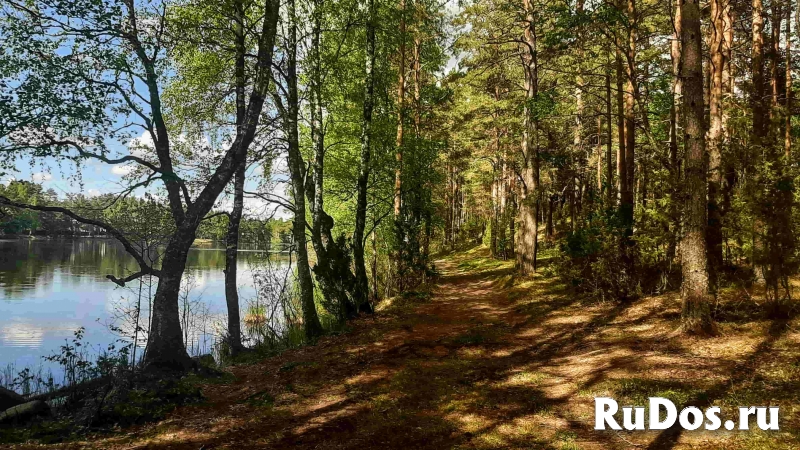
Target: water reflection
50, 287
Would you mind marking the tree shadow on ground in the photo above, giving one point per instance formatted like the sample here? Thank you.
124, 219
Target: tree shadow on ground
491, 361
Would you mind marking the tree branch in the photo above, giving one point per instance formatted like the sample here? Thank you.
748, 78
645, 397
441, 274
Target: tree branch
145, 268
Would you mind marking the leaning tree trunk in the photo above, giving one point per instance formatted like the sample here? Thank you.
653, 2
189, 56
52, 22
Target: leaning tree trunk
165, 346
696, 315
231, 259
361, 289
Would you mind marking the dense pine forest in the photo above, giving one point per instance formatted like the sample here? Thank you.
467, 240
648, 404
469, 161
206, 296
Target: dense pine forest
637, 157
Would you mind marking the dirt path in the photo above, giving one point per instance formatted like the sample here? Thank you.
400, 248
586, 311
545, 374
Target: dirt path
487, 362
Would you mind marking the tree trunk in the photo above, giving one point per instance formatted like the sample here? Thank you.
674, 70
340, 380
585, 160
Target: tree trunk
165, 346
332, 269
630, 122
599, 154
714, 237
235, 217
787, 139
609, 134
622, 178
775, 60
401, 95
675, 126
696, 316
495, 216
297, 171
528, 215
757, 61
361, 289
231, 259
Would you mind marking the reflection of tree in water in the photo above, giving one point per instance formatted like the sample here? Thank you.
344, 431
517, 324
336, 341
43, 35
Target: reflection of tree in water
27, 263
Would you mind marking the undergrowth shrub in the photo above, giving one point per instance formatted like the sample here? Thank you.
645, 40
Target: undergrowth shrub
591, 259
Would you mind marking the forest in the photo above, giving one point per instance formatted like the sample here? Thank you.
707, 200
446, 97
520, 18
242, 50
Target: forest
611, 176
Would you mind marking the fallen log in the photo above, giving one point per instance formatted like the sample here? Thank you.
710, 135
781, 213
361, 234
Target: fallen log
9, 398
69, 390
24, 412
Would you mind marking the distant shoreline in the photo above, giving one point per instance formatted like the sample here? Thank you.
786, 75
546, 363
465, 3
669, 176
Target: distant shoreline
198, 243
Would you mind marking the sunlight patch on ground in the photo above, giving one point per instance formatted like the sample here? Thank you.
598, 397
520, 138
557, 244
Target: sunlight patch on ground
524, 379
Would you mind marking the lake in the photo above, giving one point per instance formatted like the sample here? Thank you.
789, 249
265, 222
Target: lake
51, 287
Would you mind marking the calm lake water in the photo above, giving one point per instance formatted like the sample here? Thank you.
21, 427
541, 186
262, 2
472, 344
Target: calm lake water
51, 287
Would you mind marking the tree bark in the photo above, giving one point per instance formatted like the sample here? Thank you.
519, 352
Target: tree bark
757, 62
674, 129
609, 135
630, 123
696, 315
622, 178
332, 269
401, 95
528, 214
361, 290
714, 236
235, 217
231, 260
787, 139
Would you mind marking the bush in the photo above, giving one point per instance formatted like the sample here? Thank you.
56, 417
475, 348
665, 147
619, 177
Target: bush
592, 259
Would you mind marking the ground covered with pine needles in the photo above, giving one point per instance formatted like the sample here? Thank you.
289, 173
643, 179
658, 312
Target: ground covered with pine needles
489, 360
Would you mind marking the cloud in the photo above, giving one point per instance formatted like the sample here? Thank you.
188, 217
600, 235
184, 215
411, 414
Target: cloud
142, 145
92, 193
122, 170
40, 177
21, 335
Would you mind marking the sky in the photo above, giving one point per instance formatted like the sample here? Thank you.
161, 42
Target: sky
95, 177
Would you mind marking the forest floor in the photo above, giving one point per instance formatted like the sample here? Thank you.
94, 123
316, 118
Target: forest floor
489, 360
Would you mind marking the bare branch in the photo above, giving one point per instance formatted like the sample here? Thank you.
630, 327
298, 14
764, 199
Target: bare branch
145, 268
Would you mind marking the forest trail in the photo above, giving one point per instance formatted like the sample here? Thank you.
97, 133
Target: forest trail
488, 361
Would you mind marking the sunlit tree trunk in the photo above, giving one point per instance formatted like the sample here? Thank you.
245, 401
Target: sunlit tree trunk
528, 213
674, 127
332, 269
757, 62
696, 316
714, 139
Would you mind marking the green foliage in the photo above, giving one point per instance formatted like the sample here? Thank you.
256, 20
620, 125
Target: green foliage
591, 259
